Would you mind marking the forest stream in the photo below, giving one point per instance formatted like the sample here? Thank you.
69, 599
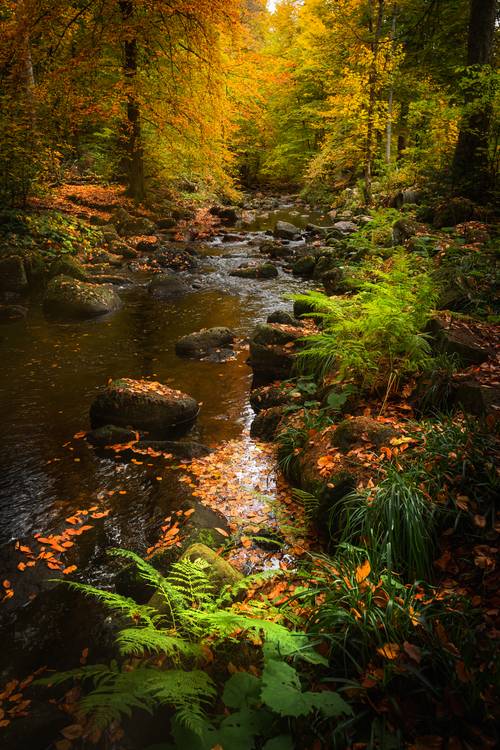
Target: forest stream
52, 371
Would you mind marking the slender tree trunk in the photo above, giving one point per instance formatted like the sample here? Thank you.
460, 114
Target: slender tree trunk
375, 30
402, 130
470, 172
133, 137
390, 105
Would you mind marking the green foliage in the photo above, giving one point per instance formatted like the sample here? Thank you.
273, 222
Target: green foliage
397, 520
375, 336
183, 617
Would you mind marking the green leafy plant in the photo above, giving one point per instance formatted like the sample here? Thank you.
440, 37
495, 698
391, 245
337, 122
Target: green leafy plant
375, 336
397, 519
163, 645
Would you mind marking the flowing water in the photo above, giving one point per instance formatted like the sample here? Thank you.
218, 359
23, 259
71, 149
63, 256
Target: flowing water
52, 371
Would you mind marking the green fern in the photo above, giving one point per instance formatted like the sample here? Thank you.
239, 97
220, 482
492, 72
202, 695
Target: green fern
374, 336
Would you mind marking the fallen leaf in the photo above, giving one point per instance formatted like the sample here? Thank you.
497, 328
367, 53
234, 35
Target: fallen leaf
69, 570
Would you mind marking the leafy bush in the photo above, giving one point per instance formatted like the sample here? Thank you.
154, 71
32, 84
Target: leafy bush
374, 337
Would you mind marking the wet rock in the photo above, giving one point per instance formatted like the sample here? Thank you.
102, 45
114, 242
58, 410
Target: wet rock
124, 251
324, 263
202, 343
68, 266
110, 435
275, 249
333, 281
218, 570
166, 222
176, 258
228, 237
282, 317
476, 398
304, 266
167, 287
144, 405
107, 278
148, 246
453, 338
102, 256
12, 313
268, 396
131, 226
354, 432
68, 298
266, 423
185, 451
319, 231
405, 197
109, 233
271, 350
286, 231
266, 271
227, 214
38, 729
345, 227
402, 230
13, 276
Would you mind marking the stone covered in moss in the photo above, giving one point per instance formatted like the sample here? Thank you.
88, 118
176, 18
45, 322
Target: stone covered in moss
69, 298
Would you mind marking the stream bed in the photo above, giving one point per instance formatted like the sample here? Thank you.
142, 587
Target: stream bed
50, 374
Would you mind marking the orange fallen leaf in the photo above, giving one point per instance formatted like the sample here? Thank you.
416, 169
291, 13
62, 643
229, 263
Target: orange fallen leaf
389, 650
363, 571
222, 532
6, 584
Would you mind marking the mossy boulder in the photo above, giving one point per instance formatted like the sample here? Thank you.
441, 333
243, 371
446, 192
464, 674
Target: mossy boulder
268, 396
304, 266
403, 229
271, 350
68, 298
265, 271
357, 431
275, 249
283, 317
67, 266
13, 276
202, 343
130, 226
220, 572
325, 263
144, 405
166, 287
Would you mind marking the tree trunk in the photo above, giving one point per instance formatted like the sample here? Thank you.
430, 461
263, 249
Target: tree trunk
470, 172
375, 30
133, 137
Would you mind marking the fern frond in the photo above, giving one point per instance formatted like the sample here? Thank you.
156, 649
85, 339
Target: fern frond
138, 641
115, 602
173, 598
190, 578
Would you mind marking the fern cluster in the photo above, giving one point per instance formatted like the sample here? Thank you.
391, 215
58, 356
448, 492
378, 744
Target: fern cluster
375, 336
162, 648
